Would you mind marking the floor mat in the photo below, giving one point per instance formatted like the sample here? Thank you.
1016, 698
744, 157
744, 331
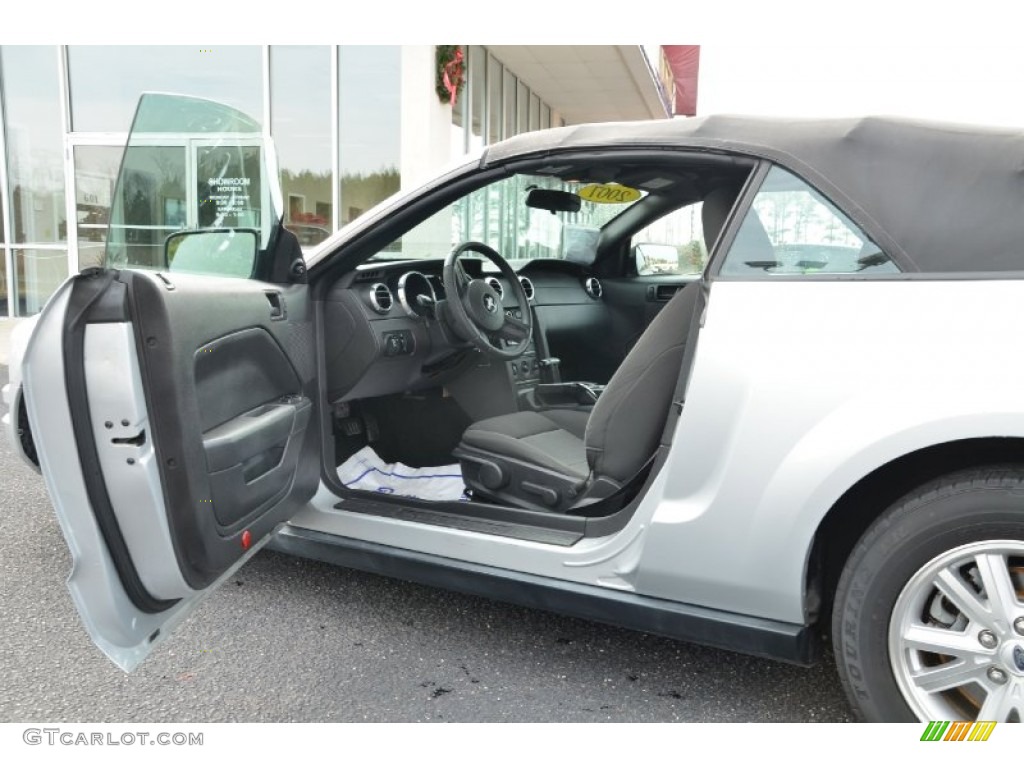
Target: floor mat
366, 471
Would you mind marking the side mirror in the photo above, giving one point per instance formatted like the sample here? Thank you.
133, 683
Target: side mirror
228, 252
656, 259
553, 200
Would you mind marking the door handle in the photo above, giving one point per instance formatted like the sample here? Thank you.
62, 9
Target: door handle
277, 309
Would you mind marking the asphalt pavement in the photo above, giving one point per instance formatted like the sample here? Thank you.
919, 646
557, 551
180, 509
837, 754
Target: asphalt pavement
293, 640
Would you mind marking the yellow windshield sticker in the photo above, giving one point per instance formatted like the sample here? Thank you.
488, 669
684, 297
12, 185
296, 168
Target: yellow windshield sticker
609, 193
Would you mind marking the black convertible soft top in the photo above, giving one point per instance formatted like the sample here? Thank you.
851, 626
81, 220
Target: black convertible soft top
949, 197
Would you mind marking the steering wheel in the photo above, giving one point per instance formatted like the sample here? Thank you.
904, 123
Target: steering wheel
474, 308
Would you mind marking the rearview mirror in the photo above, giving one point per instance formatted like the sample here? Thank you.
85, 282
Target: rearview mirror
553, 200
228, 252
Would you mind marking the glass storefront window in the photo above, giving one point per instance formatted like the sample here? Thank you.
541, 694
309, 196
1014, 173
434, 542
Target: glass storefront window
95, 175
494, 100
545, 116
300, 119
5, 307
35, 164
510, 105
39, 273
370, 127
478, 96
523, 109
458, 135
106, 81
534, 112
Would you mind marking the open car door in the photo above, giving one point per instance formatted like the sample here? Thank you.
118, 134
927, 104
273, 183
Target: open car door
171, 391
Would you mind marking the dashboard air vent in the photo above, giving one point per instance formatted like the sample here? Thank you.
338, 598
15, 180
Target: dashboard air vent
527, 284
493, 282
593, 287
381, 298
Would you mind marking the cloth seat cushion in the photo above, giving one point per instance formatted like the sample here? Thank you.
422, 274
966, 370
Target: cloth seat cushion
551, 439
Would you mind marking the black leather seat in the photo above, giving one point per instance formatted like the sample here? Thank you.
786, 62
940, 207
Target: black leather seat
555, 459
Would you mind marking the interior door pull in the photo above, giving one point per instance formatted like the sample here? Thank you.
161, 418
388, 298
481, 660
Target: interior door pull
276, 305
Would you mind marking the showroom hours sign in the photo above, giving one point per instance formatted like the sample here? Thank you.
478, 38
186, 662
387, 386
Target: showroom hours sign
229, 195
229, 187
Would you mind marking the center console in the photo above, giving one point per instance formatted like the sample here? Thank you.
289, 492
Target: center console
565, 394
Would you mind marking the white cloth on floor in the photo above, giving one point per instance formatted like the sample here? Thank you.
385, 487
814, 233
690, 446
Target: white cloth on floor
366, 471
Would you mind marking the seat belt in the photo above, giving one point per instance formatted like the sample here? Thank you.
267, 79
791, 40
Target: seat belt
609, 505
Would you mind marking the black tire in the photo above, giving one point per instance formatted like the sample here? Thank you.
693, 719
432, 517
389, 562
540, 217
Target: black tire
965, 508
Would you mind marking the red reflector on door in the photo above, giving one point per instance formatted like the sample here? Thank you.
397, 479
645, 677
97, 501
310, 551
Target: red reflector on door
246, 539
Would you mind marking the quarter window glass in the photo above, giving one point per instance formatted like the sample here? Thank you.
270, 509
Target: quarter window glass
791, 229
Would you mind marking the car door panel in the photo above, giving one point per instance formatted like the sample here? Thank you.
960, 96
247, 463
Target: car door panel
171, 395
190, 409
240, 386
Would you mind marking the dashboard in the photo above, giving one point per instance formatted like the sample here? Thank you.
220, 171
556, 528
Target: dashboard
383, 337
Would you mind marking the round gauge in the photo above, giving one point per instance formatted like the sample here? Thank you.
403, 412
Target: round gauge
416, 294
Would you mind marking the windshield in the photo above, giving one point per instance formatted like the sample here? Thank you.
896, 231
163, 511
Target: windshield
190, 164
498, 216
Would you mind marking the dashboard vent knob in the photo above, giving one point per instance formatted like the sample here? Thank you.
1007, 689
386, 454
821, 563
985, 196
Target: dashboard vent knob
593, 288
527, 284
380, 298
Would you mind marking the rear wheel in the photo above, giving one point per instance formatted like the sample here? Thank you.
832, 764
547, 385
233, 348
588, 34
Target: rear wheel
929, 616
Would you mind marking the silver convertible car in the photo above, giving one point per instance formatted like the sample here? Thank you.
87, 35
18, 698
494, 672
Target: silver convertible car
742, 382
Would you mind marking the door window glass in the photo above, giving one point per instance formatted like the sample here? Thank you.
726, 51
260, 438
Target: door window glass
190, 164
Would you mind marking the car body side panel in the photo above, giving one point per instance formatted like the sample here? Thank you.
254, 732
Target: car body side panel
799, 390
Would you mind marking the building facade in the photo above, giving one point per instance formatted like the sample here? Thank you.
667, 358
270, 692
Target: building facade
352, 125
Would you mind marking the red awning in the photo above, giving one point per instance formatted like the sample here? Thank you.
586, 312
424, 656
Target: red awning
684, 64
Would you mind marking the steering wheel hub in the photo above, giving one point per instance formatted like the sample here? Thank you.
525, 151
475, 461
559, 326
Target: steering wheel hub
484, 306
475, 311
